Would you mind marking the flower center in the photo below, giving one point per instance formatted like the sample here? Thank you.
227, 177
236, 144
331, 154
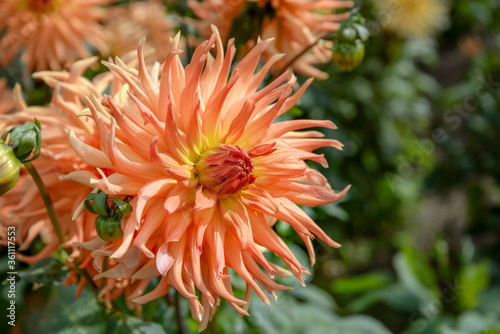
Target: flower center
41, 5
225, 169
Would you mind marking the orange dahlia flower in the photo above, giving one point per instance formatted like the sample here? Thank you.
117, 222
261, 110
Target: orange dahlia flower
128, 24
220, 13
296, 25
6, 103
23, 206
52, 32
209, 172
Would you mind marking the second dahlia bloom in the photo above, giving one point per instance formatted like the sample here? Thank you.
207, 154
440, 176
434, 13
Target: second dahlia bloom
209, 173
23, 207
51, 32
128, 24
297, 27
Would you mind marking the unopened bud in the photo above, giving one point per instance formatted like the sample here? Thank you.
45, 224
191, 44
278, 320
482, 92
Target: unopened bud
10, 166
348, 56
111, 212
225, 170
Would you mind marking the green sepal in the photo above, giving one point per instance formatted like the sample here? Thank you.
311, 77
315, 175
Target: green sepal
100, 204
123, 206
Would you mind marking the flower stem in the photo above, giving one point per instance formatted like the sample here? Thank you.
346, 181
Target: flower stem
175, 302
46, 200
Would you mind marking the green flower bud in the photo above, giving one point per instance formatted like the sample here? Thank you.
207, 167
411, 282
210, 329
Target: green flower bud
111, 211
348, 56
348, 48
25, 139
348, 34
108, 229
10, 166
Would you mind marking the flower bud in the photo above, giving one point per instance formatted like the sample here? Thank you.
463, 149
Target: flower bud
25, 140
111, 211
108, 229
348, 56
225, 170
10, 166
348, 48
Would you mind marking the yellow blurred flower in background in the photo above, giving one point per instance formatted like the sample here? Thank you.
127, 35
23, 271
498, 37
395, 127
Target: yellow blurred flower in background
412, 18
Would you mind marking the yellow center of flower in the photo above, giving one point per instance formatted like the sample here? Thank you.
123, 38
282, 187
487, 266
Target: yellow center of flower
225, 170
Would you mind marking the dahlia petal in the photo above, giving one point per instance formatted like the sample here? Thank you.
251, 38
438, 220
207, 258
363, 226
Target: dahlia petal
116, 184
195, 266
214, 236
128, 234
164, 259
178, 198
239, 122
281, 128
265, 236
235, 214
149, 87
257, 273
152, 221
235, 261
201, 220
175, 225
146, 271
312, 144
257, 255
310, 248
81, 176
88, 154
259, 200
205, 199
141, 170
160, 290
293, 215
154, 188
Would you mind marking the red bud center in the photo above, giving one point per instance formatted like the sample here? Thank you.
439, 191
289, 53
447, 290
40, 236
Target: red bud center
226, 170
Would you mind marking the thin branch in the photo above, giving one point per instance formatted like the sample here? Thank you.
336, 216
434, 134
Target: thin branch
46, 200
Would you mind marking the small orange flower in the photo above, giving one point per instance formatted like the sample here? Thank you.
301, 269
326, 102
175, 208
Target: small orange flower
52, 32
6, 103
296, 25
220, 13
209, 173
128, 24
23, 206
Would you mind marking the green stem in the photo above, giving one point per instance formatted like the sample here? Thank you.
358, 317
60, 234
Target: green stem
47, 201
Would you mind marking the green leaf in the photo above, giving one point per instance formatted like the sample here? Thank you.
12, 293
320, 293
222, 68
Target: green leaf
360, 284
361, 324
64, 314
121, 323
45, 272
475, 278
416, 275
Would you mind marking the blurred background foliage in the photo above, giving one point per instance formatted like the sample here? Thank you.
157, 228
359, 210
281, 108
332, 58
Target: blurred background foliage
420, 227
